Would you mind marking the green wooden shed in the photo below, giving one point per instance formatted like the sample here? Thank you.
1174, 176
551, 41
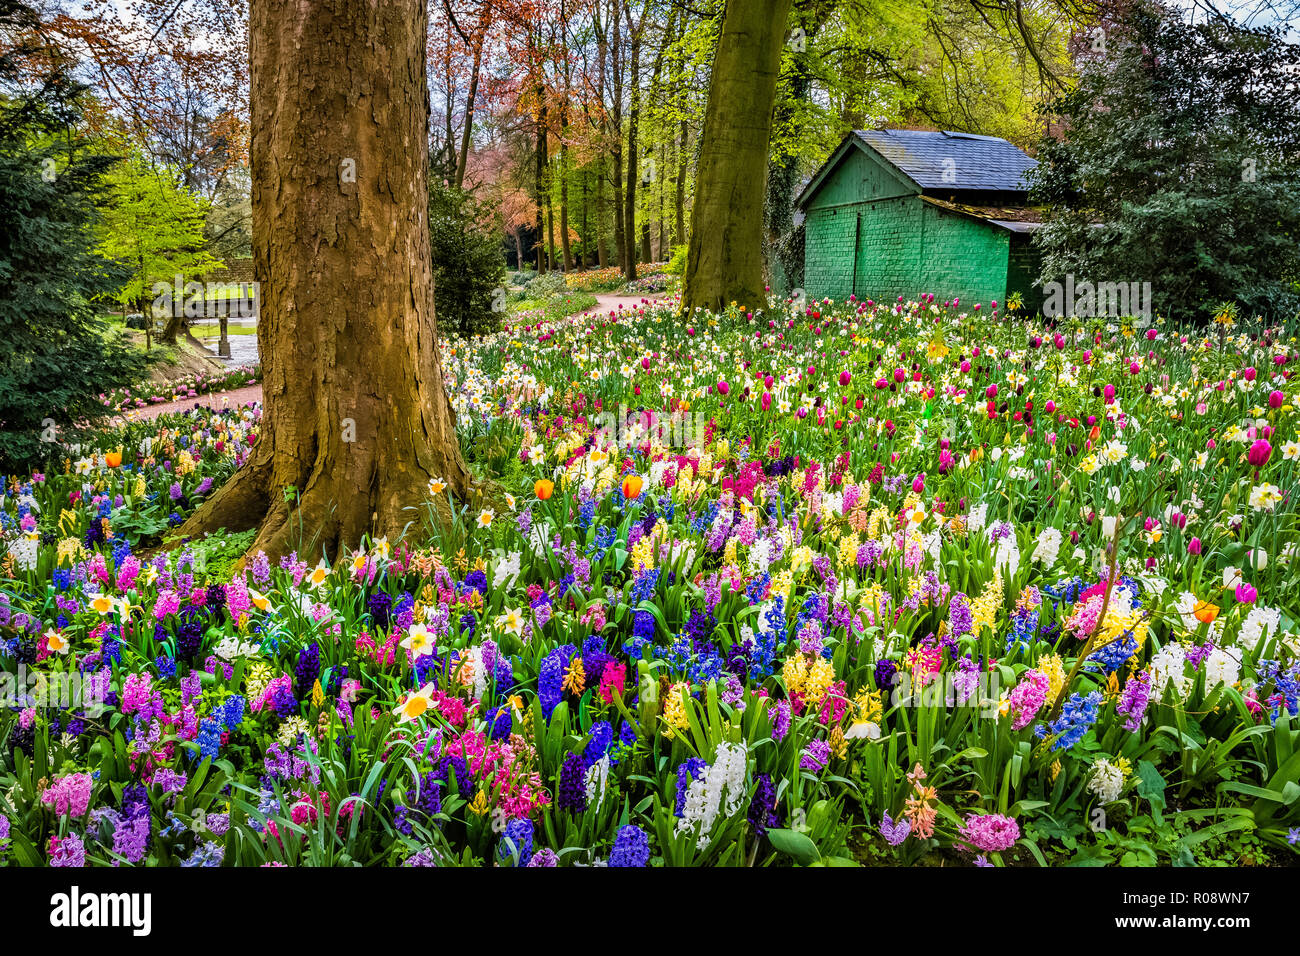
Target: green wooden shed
902, 212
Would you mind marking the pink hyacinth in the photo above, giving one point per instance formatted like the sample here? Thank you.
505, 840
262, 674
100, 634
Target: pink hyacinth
1027, 698
70, 795
990, 832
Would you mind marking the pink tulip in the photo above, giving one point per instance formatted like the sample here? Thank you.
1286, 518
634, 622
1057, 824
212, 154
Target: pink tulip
1259, 453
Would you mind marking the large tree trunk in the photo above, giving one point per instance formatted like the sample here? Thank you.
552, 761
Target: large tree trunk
564, 209
679, 200
584, 256
725, 259
619, 245
550, 233
564, 146
485, 21
633, 173
601, 259
539, 174
356, 417
173, 327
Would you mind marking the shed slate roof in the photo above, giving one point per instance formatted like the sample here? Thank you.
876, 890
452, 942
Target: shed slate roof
978, 162
1011, 218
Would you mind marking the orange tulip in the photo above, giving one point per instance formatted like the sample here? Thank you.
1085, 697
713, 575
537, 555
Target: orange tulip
114, 458
631, 486
543, 488
1205, 612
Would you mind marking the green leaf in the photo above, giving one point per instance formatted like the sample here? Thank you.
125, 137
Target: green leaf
1150, 785
796, 845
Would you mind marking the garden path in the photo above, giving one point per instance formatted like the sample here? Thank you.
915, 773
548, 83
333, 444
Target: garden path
253, 393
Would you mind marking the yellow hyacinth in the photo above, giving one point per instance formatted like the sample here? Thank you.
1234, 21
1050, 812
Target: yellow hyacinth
674, 714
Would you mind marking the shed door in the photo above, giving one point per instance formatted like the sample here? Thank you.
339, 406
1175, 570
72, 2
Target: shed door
888, 246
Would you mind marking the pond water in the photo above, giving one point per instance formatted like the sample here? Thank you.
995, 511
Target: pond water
242, 335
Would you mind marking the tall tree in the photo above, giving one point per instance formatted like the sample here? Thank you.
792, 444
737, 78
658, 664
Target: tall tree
57, 357
725, 260
153, 225
635, 32
1180, 165
357, 419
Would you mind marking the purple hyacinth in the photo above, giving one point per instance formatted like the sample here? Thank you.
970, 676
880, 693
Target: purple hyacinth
631, 847
573, 789
894, 833
1133, 700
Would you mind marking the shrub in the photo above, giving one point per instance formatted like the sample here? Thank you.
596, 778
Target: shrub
550, 283
468, 268
677, 262
58, 355
1197, 194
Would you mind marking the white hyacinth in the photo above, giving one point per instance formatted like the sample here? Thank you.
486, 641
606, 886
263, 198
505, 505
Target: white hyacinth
1221, 668
1259, 623
720, 787
24, 550
507, 570
1106, 782
1169, 665
1048, 548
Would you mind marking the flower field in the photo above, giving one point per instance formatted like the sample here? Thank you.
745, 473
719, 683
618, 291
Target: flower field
908, 583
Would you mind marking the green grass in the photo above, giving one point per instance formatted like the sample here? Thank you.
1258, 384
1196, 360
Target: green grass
201, 332
557, 306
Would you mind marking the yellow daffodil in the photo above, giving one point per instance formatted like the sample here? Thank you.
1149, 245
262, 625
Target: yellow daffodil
318, 574
415, 705
419, 641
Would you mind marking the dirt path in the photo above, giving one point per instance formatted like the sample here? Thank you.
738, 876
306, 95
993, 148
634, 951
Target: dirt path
613, 303
253, 393
236, 396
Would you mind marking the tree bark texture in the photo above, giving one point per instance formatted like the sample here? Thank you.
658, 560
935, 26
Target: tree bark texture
356, 418
725, 258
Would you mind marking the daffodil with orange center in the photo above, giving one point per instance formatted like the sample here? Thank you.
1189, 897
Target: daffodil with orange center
415, 705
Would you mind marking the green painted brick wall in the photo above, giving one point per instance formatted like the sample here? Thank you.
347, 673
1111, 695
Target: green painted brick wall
903, 246
868, 233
